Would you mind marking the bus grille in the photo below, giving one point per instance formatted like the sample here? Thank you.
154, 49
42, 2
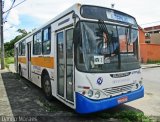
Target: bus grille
113, 91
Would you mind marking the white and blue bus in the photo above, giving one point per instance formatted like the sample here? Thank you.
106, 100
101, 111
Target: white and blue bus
87, 57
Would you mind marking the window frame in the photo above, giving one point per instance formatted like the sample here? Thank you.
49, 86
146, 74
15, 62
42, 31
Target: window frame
38, 32
23, 53
20, 46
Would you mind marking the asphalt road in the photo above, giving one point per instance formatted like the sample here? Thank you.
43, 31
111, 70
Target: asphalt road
150, 104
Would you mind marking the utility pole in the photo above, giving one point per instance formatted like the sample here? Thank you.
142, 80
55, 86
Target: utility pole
1, 34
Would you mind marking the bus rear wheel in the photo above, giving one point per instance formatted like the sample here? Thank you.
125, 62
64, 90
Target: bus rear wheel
20, 71
47, 88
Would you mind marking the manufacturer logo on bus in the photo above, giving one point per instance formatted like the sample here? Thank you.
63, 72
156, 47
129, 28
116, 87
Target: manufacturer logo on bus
120, 75
99, 80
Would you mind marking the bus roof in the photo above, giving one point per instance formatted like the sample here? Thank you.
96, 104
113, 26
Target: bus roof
74, 8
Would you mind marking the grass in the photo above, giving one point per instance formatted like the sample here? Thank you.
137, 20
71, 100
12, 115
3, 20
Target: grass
127, 116
153, 61
9, 60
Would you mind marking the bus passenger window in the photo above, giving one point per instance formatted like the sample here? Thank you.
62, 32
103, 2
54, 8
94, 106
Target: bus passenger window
69, 36
19, 49
37, 44
22, 48
23, 44
46, 41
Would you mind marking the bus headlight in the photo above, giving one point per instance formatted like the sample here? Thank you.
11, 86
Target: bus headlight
97, 94
90, 93
94, 94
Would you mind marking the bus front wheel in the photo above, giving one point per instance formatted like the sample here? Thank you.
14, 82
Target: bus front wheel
47, 88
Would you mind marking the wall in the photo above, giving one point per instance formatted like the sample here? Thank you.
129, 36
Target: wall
141, 36
149, 52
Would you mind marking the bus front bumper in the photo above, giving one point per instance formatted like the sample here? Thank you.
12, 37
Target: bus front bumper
85, 105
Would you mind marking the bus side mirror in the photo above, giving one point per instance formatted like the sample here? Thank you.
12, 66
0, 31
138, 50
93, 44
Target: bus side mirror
76, 33
74, 16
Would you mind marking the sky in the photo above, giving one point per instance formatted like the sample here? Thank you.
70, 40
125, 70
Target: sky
33, 13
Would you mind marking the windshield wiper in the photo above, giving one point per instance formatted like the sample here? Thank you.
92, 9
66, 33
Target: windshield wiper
111, 42
103, 29
102, 26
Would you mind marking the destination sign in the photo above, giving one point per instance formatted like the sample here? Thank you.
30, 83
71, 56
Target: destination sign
106, 14
119, 17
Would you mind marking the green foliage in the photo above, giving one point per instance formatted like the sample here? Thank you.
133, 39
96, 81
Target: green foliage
9, 46
9, 60
9, 53
132, 116
127, 116
22, 31
153, 61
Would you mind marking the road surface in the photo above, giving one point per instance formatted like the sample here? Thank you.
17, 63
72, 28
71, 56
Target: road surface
150, 104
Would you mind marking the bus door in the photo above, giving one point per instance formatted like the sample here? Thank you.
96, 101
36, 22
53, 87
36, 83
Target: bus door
29, 59
65, 64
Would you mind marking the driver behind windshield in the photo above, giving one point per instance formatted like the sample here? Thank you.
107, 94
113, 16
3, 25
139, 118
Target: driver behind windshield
108, 46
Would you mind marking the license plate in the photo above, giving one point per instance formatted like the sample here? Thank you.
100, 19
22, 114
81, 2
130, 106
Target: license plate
122, 100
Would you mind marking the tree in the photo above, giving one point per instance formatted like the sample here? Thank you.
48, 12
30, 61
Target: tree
22, 31
9, 46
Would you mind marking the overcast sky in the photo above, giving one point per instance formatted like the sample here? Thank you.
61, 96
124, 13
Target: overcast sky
34, 13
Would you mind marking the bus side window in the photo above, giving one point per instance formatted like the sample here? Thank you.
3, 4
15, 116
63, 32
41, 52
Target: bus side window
69, 35
37, 44
46, 41
23, 44
19, 48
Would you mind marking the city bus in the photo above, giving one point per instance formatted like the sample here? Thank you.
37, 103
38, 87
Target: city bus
86, 57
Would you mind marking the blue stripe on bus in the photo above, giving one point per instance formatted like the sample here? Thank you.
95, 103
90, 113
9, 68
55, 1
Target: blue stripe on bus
85, 105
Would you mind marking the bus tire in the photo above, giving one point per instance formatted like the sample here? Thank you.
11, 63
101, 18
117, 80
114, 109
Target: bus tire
46, 86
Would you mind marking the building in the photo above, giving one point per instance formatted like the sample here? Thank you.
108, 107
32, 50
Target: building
149, 39
152, 34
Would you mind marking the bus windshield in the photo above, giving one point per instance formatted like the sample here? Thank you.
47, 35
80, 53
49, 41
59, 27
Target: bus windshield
102, 47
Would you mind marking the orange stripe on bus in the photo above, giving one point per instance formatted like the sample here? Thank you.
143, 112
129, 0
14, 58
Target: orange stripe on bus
47, 62
22, 60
